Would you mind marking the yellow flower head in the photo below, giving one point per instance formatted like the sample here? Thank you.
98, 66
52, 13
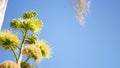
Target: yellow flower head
16, 23
8, 40
29, 14
9, 64
45, 49
33, 24
33, 51
32, 39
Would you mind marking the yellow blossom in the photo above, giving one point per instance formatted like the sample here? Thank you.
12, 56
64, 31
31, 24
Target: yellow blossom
33, 24
33, 51
16, 23
9, 64
32, 39
29, 14
8, 40
45, 49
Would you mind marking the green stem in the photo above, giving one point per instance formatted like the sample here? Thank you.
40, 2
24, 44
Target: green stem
21, 47
25, 62
18, 47
14, 54
27, 59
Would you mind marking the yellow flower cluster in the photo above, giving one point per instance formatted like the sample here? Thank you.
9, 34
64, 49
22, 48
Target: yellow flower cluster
16, 23
29, 22
34, 24
33, 51
29, 14
45, 49
8, 40
9, 64
32, 39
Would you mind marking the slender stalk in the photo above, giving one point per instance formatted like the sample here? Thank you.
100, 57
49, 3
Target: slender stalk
18, 47
14, 54
21, 47
25, 62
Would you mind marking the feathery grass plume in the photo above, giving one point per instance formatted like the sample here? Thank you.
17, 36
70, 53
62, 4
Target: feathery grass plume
29, 14
9, 64
33, 24
82, 8
33, 51
25, 65
16, 23
32, 39
8, 40
45, 49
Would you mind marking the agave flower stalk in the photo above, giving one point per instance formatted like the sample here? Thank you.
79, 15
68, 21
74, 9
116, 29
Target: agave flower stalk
21, 48
29, 45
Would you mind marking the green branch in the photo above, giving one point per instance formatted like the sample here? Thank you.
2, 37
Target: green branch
27, 60
18, 47
14, 54
21, 47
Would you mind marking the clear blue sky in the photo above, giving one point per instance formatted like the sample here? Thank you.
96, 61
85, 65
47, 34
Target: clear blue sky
96, 45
